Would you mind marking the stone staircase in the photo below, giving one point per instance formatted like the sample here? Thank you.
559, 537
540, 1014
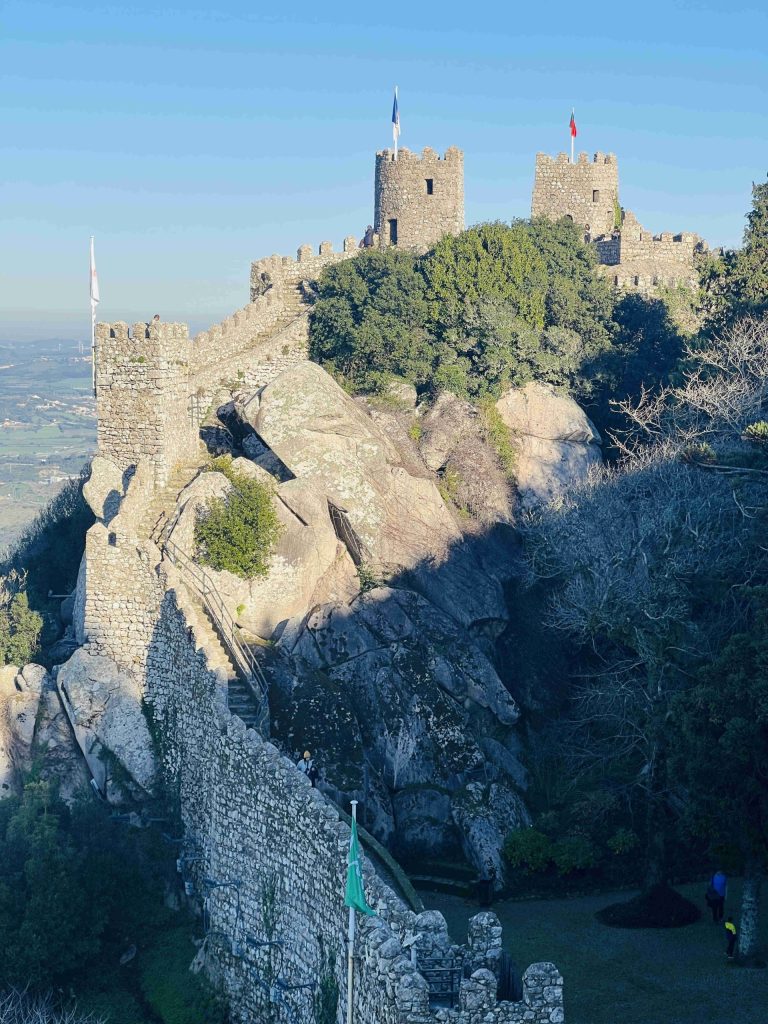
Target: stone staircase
163, 502
240, 700
157, 517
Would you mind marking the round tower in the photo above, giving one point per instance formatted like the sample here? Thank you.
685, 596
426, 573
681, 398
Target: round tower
418, 199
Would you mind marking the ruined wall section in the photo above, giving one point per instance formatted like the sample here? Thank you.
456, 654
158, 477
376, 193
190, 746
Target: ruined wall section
586, 191
142, 390
422, 194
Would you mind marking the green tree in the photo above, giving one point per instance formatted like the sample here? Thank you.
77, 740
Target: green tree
722, 753
238, 533
370, 321
734, 284
20, 629
492, 263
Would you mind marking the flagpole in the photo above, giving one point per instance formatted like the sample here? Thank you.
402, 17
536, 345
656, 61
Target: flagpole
570, 129
351, 934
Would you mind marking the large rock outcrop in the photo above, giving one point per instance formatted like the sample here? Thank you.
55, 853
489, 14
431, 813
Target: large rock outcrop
322, 435
557, 443
399, 524
394, 697
308, 564
33, 728
104, 704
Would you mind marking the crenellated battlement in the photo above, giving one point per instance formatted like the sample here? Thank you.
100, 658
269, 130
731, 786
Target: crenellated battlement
544, 159
277, 273
428, 155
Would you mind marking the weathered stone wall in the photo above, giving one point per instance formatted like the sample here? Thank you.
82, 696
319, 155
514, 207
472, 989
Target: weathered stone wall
142, 390
402, 193
284, 273
587, 192
253, 820
642, 261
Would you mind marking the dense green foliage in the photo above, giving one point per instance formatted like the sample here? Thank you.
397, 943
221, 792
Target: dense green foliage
79, 888
735, 282
238, 533
496, 305
20, 629
722, 724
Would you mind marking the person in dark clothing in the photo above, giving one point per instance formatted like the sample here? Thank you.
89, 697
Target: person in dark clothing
730, 932
367, 242
715, 896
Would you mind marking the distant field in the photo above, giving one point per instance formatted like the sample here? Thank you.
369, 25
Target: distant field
622, 976
47, 427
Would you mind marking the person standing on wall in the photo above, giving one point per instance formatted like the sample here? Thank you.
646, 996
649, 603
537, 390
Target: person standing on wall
307, 766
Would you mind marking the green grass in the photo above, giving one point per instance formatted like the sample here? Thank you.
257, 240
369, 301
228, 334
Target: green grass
618, 976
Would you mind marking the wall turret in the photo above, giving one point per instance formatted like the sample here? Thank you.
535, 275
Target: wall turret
418, 199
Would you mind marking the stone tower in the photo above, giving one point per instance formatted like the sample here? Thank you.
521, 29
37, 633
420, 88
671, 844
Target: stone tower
418, 199
586, 191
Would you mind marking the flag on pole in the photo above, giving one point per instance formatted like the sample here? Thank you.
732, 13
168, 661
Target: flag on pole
354, 896
574, 133
94, 303
94, 282
395, 122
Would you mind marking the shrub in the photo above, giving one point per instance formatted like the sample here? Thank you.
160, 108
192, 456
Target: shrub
20, 629
238, 533
499, 436
623, 840
529, 849
573, 853
757, 432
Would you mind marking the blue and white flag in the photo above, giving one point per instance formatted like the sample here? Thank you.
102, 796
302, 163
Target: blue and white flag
395, 121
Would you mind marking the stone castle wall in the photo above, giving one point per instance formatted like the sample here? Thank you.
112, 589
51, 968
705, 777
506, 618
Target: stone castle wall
586, 191
629, 256
250, 818
423, 194
284, 273
639, 260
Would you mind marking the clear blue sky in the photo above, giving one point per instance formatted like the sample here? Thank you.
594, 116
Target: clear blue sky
191, 140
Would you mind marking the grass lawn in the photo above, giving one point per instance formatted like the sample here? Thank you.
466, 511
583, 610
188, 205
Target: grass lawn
620, 976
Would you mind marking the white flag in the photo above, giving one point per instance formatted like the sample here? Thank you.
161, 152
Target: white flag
94, 281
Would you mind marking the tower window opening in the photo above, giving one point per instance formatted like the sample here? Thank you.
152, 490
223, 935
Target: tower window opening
569, 217
430, 186
392, 232
637, 280
595, 195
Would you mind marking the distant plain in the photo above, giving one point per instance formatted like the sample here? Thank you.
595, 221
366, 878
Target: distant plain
47, 426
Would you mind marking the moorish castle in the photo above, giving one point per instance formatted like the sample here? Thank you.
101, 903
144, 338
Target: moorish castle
182, 681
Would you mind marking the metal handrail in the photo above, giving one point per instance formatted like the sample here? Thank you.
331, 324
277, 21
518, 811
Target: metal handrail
249, 668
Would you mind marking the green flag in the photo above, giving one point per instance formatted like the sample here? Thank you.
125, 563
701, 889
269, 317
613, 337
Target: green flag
354, 896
